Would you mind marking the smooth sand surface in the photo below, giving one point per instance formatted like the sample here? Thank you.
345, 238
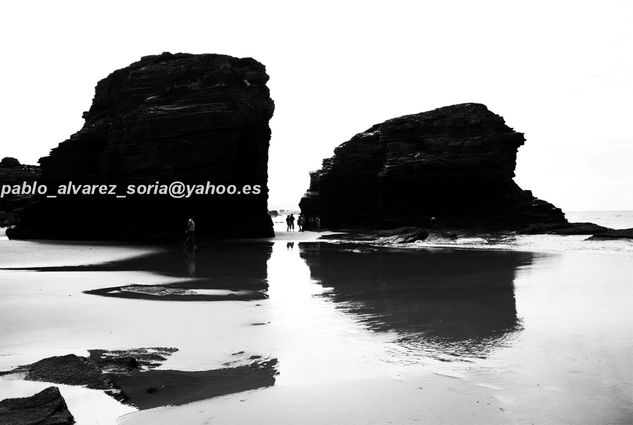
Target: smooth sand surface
559, 352
361, 335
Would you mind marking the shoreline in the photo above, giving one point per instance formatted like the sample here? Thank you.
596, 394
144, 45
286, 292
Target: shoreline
373, 316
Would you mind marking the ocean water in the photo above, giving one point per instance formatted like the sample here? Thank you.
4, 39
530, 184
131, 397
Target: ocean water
552, 243
528, 329
612, 219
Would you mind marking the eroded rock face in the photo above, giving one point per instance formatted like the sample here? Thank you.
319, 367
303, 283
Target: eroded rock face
170, 117
454, 163
44, 408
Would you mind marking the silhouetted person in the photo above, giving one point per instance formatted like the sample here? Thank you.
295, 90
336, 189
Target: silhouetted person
433, 222
190, 233
290, 221
317, 223
300, 222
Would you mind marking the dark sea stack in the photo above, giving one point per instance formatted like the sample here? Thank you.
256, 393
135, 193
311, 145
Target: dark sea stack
166, 118
9, 162
454, 163
44, 408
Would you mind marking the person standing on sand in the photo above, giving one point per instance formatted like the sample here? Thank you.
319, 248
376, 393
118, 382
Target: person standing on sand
291, 222
190, 232
317, 223
300, 222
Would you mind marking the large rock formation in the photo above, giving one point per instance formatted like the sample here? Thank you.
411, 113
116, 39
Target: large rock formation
166, 118
12, 174
454, 163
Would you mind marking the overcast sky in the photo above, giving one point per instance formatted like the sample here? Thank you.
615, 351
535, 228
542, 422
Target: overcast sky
561, 72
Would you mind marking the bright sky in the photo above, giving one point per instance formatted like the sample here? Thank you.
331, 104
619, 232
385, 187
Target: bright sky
560, 71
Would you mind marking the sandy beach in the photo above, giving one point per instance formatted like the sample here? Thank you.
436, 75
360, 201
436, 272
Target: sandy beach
454, 335
350, 213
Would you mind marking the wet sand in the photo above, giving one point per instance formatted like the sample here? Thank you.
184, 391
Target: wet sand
361, 334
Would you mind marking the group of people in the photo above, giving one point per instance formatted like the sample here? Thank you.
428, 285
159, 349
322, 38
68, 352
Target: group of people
303, 222
311, 223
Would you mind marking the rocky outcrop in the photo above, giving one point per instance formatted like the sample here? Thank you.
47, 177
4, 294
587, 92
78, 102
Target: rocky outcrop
564, 228
10, 162
44, 408
98, 371
130, 376
614, 234
13, 177
454, 163
166, 118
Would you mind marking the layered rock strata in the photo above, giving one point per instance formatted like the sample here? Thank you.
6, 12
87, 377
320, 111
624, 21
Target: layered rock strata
166, 118
454, 163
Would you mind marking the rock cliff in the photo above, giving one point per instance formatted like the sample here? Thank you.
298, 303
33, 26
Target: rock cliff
166, 118
454, 163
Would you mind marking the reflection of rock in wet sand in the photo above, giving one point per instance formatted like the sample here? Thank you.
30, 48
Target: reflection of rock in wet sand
130, 377
462, 300
222, 271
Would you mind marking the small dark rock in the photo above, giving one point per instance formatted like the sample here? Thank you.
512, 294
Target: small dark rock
9, 162
564, 229
69, 370
13, 173
614, 234
44, 408
142, 388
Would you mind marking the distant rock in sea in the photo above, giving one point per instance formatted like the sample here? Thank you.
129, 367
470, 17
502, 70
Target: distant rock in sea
166, 118
614, 234
12, 173
10, 162
454, 163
